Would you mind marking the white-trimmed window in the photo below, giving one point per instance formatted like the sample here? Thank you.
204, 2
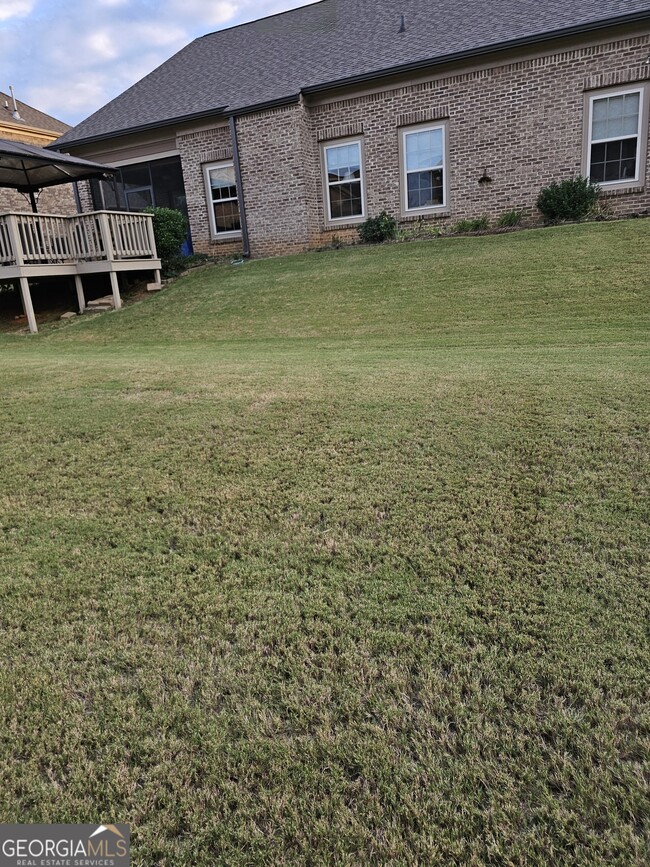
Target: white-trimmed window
344, 181
223, 203
614, 147
423, 168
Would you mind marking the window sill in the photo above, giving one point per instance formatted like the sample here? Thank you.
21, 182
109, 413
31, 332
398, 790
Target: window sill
225, 237
344, 224
610, 192
412, 216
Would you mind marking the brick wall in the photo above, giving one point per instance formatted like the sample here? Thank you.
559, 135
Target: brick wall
522, 122
53, 200
278, 166
197, 149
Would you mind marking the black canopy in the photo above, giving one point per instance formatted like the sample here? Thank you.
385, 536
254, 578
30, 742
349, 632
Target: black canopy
27, 168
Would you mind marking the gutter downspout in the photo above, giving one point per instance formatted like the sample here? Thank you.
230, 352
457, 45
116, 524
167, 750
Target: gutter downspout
246, 250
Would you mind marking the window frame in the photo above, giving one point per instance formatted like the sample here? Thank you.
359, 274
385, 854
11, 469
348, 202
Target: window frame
214, 234
404, 198
335, 143
641, 150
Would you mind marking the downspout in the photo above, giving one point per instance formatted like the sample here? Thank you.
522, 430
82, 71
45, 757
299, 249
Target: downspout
246, 250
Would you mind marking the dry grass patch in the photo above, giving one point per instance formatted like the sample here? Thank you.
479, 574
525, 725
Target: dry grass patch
339, 559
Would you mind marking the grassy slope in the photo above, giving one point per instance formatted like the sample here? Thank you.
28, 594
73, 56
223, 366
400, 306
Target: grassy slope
339, 559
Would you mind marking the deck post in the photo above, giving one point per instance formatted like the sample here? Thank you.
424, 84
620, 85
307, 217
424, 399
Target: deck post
81, 298
109, 253
19, 259
14, 239
152, 237
115, 286
107, 238
27, 304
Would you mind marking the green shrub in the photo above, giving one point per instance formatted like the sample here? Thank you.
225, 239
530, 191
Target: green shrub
376, 230
510, 219
478, 224
572, 199
170, 230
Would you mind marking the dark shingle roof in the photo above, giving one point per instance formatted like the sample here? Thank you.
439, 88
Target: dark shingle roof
275, 58
29, 117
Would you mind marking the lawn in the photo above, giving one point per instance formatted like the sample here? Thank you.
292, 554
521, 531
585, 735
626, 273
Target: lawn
339, 559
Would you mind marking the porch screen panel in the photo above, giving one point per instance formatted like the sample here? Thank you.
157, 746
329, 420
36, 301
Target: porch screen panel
168, 186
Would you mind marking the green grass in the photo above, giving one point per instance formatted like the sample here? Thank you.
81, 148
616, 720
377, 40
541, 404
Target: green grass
339, 559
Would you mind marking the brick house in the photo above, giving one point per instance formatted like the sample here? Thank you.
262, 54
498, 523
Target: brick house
23, 123
277, 135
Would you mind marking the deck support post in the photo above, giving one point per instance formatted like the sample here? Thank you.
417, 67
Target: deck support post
108, 243
156, 277
27, 304
115, 286
81, 298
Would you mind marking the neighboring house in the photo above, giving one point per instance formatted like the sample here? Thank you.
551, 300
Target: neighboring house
288, 131
20, 122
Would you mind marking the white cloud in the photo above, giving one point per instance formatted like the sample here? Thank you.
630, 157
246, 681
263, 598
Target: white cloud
102, 45
69, 58
157, 34
15, 8
81, 99
213, 13
217, 13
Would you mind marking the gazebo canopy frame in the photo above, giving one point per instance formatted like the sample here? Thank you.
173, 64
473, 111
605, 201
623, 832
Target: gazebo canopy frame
28, 169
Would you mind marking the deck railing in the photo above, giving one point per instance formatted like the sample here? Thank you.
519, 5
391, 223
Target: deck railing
45, 239
6, 251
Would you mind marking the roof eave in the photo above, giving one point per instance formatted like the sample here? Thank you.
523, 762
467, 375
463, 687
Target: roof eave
159, 124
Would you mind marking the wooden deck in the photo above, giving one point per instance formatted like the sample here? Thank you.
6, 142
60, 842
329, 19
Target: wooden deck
51, 245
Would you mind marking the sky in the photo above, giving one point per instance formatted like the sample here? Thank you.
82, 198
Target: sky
70, 57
